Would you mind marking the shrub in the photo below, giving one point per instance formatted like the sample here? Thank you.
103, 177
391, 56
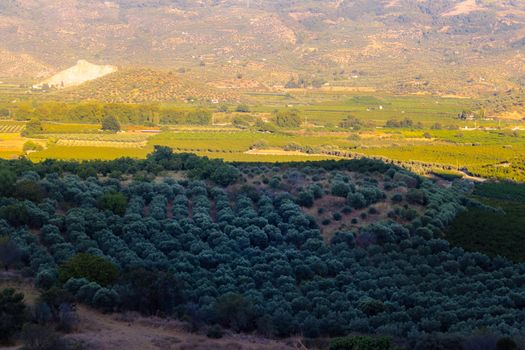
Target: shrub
110, 123
113, 201
7, 182
46, 278
12, 314
346, 209
10, 253
371, 307
397, 198
215, 332
37, 337
32, 146
243, 109
105, 299
506, 344
288, 119
326, 222
361, 343
305, 199
356, 200
91, 267
234, 311
337, 216
416, 196
316, 191
340, 189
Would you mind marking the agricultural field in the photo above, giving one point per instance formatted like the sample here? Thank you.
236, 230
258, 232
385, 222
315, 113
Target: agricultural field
481, 229
435, 139
329, 108
8, 127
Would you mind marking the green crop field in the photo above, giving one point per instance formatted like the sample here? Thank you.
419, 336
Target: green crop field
481, 229
435, 140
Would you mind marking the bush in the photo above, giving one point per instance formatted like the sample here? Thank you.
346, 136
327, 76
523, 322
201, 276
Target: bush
506, 344
37, 337
340, 189
12, 314
7, 182
46, 278
10, 253
326, 222
337, 216
234, 311
288, 119
356, 200
305, 199
105, 299
32, 146
371, 307
397, 198
242, 109
90, 267
113, 201
110, 123
215, 332
416, 196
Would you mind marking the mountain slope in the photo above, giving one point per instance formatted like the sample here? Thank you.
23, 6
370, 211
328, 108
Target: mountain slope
463, 47
13, 65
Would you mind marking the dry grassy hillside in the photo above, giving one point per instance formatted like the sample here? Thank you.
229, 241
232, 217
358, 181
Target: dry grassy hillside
131, 331
145, 85
463, 47
14, 65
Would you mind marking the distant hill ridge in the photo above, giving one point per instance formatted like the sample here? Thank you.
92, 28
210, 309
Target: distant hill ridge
445, 47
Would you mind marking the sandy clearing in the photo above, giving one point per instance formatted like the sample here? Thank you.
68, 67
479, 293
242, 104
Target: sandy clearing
110, 332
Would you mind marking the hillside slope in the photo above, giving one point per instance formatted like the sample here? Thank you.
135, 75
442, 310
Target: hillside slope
13, 65
448, 47
143, 86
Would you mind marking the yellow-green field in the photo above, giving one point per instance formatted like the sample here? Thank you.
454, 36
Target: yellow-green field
485, 147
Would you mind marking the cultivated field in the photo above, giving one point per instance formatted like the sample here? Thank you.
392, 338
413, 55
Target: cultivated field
435, 140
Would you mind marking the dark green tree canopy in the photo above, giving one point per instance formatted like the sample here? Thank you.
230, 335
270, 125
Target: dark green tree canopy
91, 267
113, 201
12, 314
110, 123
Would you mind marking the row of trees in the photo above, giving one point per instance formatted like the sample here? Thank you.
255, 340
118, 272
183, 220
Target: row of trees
95, 112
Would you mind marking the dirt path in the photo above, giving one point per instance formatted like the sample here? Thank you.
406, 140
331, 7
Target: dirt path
111, 332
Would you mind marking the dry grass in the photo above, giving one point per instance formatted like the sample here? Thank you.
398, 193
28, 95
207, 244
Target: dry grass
133, 332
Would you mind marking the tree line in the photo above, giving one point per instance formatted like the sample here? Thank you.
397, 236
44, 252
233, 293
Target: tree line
95, 112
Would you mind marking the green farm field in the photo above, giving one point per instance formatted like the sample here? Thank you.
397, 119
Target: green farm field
330, 108
436, 141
